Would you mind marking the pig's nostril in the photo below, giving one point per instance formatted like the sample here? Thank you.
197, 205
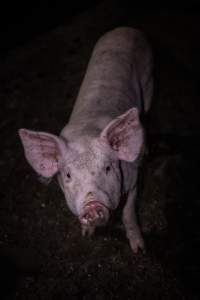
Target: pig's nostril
100, 213
87, 218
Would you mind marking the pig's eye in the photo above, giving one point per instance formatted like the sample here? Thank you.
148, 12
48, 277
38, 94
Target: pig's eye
67, 176
108, 168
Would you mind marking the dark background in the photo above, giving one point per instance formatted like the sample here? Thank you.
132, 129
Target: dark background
20, 21
44, 51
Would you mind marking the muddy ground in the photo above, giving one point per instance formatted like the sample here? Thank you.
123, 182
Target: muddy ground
42, 254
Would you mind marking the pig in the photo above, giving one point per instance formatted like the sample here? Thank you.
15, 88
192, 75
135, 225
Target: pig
97, 154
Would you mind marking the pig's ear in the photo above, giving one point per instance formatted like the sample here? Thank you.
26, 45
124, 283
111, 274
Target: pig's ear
42, 150
125, 135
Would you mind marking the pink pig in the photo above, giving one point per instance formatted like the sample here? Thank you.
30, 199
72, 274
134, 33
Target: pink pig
97, 154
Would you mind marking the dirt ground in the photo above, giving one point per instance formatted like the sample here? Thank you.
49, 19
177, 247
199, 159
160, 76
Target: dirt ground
42, 253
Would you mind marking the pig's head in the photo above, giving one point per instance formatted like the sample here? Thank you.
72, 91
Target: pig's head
88, 168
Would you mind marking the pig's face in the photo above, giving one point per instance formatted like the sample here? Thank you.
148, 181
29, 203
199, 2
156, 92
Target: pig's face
88, 168
90, 178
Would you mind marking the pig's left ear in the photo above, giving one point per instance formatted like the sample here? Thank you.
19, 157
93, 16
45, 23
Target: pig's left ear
42, 151
125, 135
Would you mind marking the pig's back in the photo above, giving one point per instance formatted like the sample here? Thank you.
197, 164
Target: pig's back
114, 78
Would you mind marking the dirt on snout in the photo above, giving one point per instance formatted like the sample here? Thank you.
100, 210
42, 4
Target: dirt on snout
42, 253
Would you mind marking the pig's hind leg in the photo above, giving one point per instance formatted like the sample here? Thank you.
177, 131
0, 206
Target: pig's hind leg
129, 217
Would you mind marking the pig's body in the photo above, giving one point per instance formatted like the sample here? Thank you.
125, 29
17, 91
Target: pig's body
96, 156
118, 78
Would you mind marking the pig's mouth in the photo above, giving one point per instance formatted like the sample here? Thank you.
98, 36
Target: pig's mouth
94, 214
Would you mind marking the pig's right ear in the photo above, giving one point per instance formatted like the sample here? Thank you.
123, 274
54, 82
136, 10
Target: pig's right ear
42, 150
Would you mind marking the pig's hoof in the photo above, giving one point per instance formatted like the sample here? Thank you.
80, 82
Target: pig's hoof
87, 231
137, 244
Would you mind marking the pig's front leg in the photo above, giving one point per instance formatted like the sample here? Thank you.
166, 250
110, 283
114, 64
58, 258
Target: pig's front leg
133, 232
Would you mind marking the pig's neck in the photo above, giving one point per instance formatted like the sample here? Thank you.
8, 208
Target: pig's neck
98, 105
90, 127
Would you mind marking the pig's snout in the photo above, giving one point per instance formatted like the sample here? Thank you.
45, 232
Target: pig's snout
95, 214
